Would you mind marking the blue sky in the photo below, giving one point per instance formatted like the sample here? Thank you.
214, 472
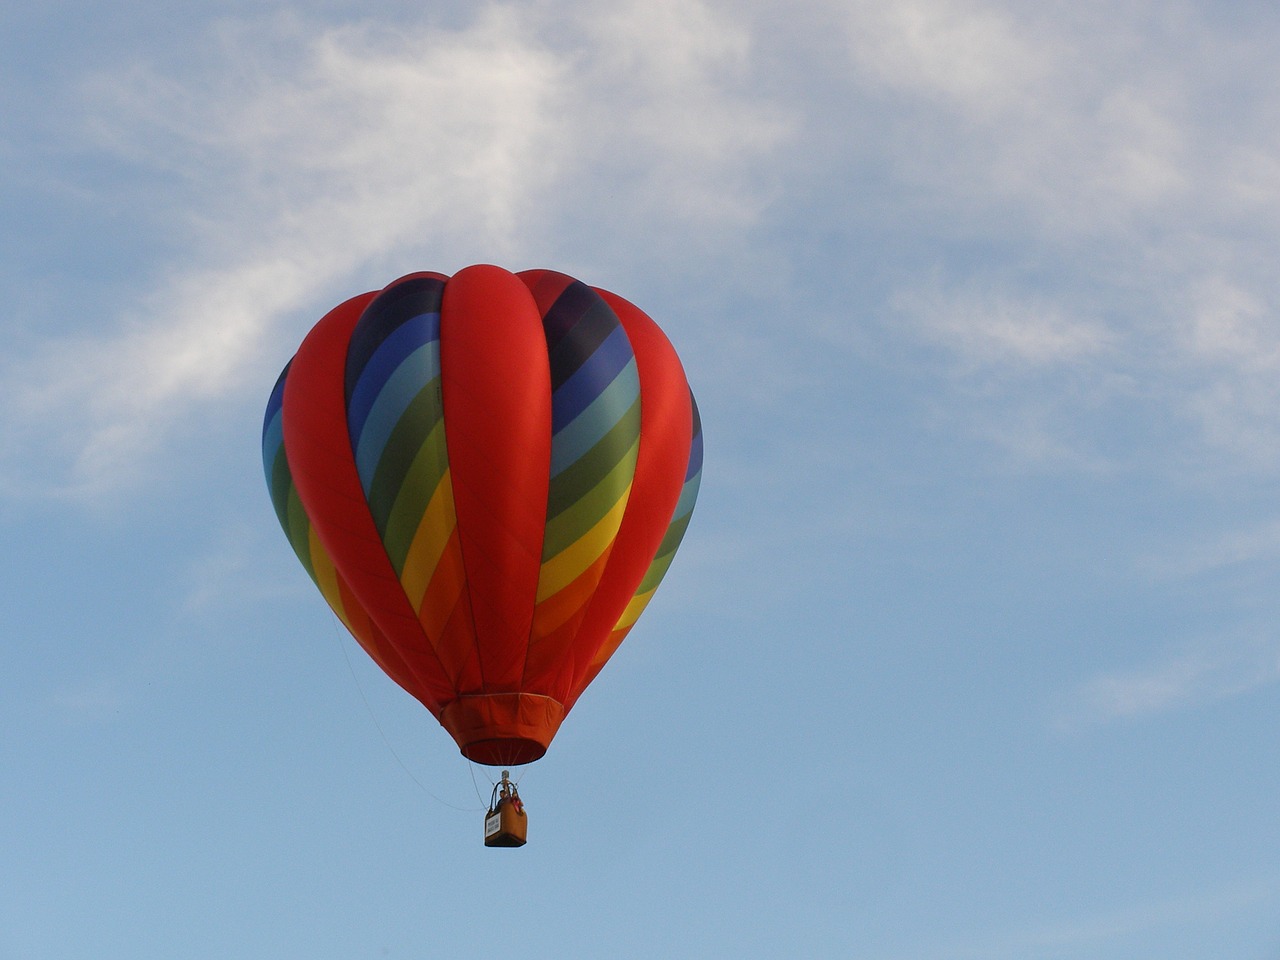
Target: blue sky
970, 652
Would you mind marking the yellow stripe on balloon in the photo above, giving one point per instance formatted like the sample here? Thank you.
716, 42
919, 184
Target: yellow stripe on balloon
634, 609
559, 608
326, 576
567, 565
429, 540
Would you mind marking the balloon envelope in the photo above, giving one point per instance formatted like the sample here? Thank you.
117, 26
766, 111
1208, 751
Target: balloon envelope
486, 475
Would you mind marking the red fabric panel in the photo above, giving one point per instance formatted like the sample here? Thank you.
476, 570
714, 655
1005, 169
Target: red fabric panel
666, 432
319, 450
545, 285
496, 390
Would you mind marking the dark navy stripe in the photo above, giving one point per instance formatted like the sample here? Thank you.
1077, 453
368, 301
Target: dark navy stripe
276, 400
394, 306
590, 380
574, 300
577, 347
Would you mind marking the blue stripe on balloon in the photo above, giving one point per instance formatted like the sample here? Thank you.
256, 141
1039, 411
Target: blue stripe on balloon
596, 420
272, 439
693, 474
695, 457
276, 401
695, 448
273, 422
417, 372
688, 497
576, 393
409, 336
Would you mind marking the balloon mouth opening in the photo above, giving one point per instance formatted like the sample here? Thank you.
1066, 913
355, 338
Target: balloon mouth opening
502, 729
504, 751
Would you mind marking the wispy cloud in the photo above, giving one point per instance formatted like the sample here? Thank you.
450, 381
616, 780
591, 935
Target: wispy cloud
315, 167
1003, 145
995, 328
1231, 339
1021, 119
1204, 673
310, 156
236, 572
214, 611
1220, 551
1094, 151
973, 56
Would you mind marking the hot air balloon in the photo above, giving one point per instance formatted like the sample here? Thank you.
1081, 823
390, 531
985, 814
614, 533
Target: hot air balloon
486, 475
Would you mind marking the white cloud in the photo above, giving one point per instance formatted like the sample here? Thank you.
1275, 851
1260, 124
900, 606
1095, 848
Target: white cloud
969, 55
310, 157
997, 327
997, 101
677, 82
114, 395
1021, 369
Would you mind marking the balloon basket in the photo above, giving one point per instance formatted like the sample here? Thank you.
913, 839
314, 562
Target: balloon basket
506, 824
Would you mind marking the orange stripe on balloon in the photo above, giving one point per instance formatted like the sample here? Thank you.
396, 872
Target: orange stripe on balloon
443, 590
572, 599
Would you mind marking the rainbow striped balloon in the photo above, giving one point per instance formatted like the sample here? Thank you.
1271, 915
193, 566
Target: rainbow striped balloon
487, 476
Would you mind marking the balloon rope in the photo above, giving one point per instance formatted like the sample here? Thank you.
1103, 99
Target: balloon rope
472, 767
372, 716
